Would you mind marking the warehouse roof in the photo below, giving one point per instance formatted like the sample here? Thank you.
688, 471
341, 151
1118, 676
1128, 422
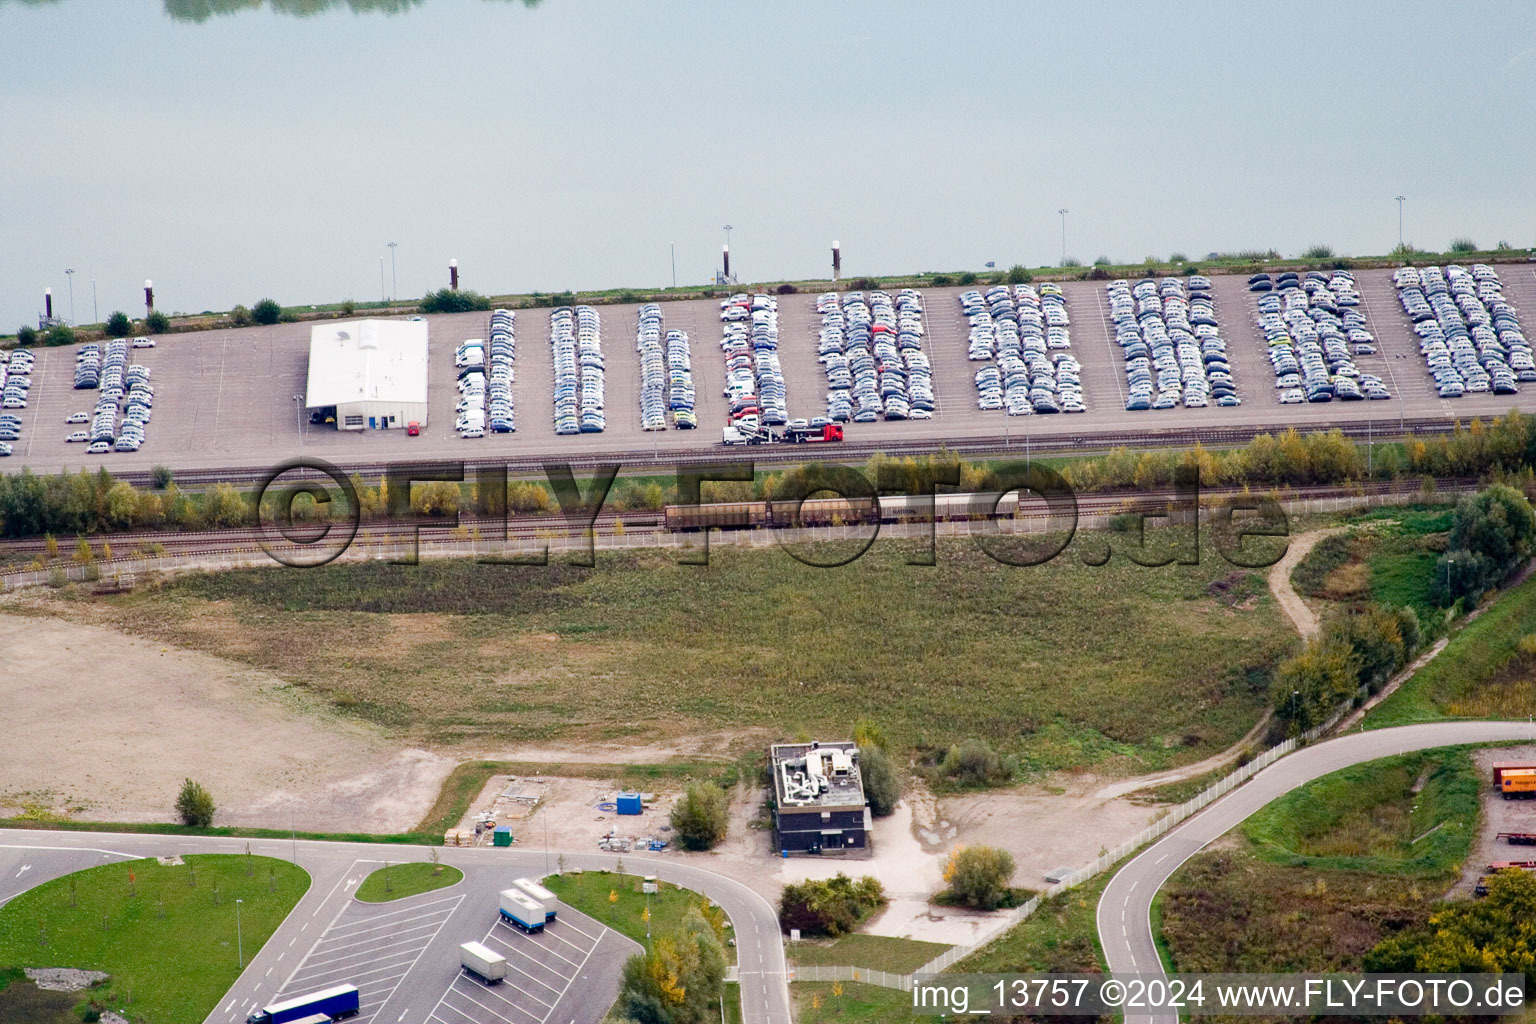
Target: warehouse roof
817, 775
367, 361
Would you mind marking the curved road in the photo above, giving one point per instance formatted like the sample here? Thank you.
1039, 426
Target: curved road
755, 924
1125, 910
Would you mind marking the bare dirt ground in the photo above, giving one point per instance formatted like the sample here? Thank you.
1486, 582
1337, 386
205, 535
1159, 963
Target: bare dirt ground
1297, 610
107, 726
1499, 815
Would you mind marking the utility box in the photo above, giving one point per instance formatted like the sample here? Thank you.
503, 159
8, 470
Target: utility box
629, 803
648, 884
502, 836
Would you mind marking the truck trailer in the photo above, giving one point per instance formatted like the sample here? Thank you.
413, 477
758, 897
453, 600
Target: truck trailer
486, 964
1516, 783
335, 1003
539, 893
523, 911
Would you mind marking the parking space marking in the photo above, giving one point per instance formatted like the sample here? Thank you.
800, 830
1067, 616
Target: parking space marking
567, 926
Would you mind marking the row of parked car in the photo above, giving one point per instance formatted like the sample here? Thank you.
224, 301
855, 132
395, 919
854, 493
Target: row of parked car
1025, 338
486, 374
15, 384
88, 368
1172, 344
1314, 332
125, 390
754, 379
666, 373
576, 341
1469, 334
872, 349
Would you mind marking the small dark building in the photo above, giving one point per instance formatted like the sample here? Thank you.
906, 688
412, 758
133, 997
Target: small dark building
820, 797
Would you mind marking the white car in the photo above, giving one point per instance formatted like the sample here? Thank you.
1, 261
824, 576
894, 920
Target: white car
99, 448
143, 342
468, 432
5, 449
77, 437
78, 417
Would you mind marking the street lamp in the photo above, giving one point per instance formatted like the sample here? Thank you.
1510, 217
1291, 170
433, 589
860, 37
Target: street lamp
70, 273
1400, 201
394, 290
1063, 236
298, 417
239, 937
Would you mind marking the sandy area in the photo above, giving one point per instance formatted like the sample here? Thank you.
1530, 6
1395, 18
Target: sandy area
107, 726
1499, 815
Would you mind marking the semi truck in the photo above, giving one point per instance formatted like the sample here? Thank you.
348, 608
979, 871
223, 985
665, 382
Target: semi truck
523, 911
539, 893
827, 432
486, 964
335, 1003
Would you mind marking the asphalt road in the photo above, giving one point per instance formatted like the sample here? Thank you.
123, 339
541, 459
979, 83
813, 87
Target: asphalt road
412, 971
1125, 909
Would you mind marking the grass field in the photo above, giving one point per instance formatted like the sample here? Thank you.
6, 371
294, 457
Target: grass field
877, 952
590, 892
851, 1002
1482, 673
1318, 877
170, 946
397, 881
1388, 556
1415, 814
1066, 665
1060, 936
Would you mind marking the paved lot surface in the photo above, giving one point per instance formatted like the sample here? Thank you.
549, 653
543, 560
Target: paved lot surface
1124, 918
403, 956
226, 398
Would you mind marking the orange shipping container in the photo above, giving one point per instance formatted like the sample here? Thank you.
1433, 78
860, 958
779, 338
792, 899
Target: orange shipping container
1500, 767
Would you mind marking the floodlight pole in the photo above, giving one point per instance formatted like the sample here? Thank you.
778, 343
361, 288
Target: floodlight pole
1063, 236
1400, 200
394, 284
239, 937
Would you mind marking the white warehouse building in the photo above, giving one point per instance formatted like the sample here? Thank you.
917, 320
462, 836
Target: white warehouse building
368, 374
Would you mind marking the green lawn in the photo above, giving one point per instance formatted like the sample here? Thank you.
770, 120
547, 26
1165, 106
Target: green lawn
1414, 814
397, 881
1060, 936
1482, 672
1050, 663
816, 1003
590, 892
877, 952
170, 946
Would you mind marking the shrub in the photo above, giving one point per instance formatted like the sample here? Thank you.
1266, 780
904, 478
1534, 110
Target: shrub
832, 906
864, 284
1318, 252
1099, 274
700, 817
680, 979
26, 336
941, 280
1462, 244
446, 300
974, 763
194, 805
161, 477
1072, 261
118, 325
240, 316
348, 307
787, 289
1491, 533
267, 311
1017, 274
436, 498
881, 784
527, 496
59, 335
1178, 257
157, 322
966, 278
978, 877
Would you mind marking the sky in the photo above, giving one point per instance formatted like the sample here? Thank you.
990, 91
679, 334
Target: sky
571, 144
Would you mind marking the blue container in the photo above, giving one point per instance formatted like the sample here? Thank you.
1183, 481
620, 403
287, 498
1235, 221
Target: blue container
629, 803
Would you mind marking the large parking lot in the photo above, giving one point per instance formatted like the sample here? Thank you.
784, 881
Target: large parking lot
227, 398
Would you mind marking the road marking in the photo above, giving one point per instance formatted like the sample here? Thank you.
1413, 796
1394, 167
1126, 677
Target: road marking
24, 869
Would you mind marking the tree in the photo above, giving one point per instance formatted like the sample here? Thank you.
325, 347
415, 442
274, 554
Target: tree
1018, 274
701, 816
881, 784
240, 316
1492, 934
267, 311
1492, 532
436, 498
830, 906
157, 322
978, 877
974, 763
194, 805
161, 477
224, 506
680, 979
446, 300
118, 325
58, 336
26, 336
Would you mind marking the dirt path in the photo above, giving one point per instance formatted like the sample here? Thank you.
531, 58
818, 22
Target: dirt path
1188, 771
1302, 617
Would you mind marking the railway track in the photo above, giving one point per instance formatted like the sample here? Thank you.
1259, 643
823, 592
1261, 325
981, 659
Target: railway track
385, 533
985, 445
